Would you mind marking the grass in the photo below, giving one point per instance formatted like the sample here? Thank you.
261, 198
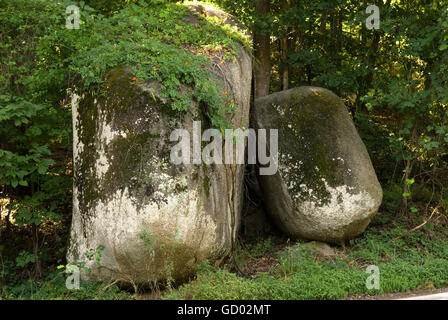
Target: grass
19, 279
276, 268
55, 289
416, 261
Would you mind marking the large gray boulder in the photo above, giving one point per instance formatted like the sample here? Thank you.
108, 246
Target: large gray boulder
156, 221
326, 188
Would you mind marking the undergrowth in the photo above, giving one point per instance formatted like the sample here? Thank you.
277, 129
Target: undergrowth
417, 260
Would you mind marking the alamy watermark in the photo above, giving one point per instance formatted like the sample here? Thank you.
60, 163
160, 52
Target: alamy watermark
234, 142
72, 282
72, 21
373, 281
373, 21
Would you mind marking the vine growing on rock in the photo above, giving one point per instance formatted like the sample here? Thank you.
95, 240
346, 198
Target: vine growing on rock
160, 42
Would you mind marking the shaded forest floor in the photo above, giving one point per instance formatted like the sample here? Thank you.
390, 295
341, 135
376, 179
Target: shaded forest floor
409, 259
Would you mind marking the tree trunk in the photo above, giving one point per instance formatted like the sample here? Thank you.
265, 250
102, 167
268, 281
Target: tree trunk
285, 68
262, 53
284, 49
408, 170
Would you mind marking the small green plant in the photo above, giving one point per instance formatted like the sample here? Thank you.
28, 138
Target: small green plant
162, 251
95, 254
24, 258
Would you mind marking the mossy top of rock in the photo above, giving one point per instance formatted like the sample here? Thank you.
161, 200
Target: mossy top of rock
174, 44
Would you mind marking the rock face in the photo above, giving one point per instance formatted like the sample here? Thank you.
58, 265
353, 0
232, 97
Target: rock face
326, 188
155, 220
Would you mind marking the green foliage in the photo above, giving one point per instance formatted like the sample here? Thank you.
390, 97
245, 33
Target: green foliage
53, 285
259, 247
153, 37
158, 43
24, 258
409, 263
41, 59
53, 288
95, 254
393, 79
42, 62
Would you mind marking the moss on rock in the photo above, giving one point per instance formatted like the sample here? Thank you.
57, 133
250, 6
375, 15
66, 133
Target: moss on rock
126, 183
331, 188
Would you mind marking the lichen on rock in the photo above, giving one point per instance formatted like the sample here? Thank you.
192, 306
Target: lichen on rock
326, 188
156, 221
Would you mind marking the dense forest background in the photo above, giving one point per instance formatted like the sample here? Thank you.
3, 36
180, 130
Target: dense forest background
394, 81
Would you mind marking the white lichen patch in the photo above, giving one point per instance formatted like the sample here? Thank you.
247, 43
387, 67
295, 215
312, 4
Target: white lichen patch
166, 185
78, 146
342, 207
279, 109
291, 171
287, 164
117, 224
102, 163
